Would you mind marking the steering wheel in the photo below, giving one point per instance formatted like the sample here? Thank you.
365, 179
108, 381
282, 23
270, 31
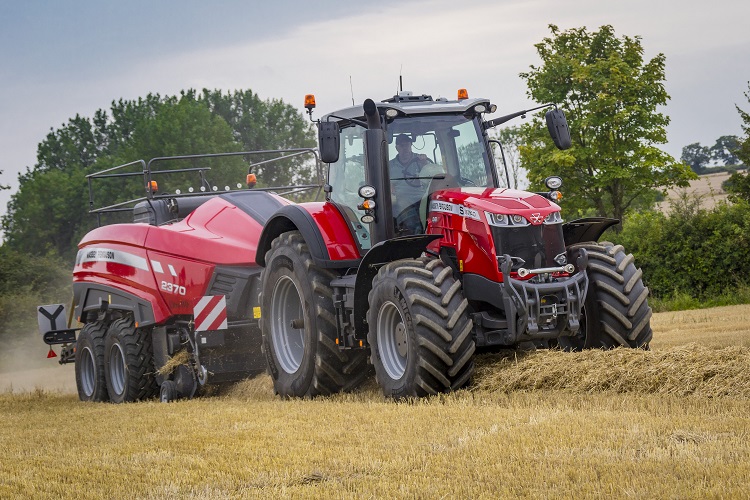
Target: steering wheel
465, 181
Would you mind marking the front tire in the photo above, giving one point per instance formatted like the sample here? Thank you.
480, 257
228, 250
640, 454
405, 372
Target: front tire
616, 311
128, 362
420, 331
299, 325
89, 363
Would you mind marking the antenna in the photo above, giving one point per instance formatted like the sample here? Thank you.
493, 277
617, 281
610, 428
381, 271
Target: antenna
351, 87
401, 78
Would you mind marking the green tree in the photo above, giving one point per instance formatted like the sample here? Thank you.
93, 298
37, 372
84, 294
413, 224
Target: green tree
724, 151
743, 152
610, 95
696, 156
266, 125
738, 184
48, 214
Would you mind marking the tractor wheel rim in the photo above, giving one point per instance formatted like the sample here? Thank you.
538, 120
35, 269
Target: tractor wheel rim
117, 369
88, 372
288, 342
392, 340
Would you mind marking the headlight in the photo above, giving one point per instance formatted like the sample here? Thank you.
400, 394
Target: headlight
505, 220
367, 191
553, 218
553, 182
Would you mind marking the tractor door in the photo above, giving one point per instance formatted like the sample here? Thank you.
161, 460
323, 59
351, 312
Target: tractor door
345, 178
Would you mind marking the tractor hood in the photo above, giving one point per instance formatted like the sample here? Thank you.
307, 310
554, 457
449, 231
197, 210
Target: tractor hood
473, 202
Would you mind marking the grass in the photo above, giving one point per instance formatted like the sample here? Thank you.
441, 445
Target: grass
681, 301
669, 423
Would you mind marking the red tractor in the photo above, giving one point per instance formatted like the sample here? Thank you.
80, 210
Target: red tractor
416, 259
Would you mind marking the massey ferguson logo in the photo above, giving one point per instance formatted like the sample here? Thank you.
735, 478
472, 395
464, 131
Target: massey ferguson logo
536, 219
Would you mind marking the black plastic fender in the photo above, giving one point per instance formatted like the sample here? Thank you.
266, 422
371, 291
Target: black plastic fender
403, 247
588, 229
90, 297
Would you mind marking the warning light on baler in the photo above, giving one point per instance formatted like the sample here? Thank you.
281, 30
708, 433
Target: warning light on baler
251, 181
152, 187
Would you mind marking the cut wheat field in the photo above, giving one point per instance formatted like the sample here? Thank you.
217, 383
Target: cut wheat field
673, 422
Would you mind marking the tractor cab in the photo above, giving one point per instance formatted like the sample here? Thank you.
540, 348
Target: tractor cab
428, 145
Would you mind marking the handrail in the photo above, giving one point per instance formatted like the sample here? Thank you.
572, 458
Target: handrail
147, 172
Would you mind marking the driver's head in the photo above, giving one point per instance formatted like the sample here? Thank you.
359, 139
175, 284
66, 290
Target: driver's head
403, 144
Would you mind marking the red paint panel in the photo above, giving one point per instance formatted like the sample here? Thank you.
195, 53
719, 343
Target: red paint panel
337, 235
127, 234
183, 291
217, 232
134, 277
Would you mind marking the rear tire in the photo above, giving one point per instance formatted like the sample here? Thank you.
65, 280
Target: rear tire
299, 325
128, 362
420, 332
89, 363
616, 311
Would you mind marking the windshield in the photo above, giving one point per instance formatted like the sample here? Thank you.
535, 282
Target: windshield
452, 142
448, 148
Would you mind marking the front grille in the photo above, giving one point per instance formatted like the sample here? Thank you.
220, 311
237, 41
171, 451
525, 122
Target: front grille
535, 246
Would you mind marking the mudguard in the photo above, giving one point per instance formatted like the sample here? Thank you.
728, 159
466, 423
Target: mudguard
322, 226
404, 247
588, 229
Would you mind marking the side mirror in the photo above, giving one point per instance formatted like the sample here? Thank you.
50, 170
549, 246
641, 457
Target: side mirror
328, 141
558, 128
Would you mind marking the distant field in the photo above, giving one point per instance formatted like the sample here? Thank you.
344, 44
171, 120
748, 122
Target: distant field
707, 187
671, 422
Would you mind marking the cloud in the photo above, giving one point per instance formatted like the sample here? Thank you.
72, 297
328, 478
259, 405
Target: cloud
439, 46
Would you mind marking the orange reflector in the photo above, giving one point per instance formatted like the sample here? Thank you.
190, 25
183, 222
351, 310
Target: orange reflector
337, 341
463, 94
136, 324
153, 187
251, 180
361, 343
309, 102
51, 354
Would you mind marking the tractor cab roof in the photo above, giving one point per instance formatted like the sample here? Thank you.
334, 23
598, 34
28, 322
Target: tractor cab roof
407, 104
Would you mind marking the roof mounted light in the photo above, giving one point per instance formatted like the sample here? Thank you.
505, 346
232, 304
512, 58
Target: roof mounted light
310, 102
493, 108
391, 113
463, 94
480, 108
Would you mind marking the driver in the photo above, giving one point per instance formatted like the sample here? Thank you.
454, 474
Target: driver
410, 175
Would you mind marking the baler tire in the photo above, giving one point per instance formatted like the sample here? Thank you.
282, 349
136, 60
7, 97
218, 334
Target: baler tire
128, 362
616, 311
420, 332
89, 363
306, 361
167, 391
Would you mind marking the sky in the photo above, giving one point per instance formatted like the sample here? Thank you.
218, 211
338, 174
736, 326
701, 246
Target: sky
62, 58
